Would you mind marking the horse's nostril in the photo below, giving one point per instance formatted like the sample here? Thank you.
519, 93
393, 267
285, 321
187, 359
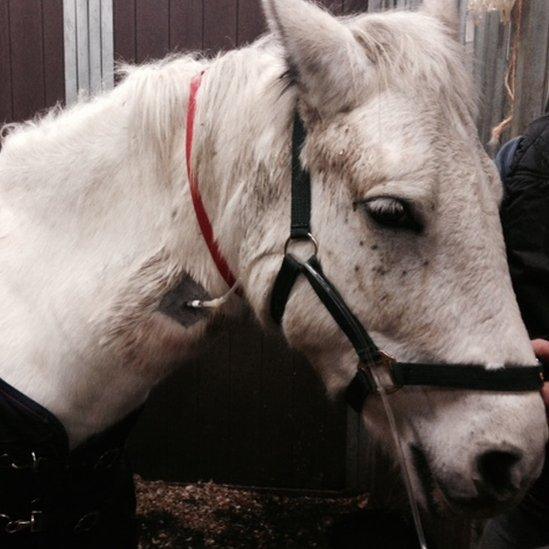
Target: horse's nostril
498, 471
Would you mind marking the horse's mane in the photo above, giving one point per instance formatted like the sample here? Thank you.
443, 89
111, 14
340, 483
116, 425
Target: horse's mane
151, 90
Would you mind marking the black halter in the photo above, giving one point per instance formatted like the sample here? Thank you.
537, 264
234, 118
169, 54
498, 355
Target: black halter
455, 376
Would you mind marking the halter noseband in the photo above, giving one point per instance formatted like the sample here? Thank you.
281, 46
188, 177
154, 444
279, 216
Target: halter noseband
395, 374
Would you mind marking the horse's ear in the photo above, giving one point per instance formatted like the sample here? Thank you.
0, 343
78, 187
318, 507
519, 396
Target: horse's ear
446, 11
322, 53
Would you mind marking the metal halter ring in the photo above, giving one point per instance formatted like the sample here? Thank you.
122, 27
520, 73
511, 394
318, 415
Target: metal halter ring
308, 237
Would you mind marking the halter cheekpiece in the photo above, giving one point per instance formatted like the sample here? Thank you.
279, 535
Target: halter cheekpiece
395, 374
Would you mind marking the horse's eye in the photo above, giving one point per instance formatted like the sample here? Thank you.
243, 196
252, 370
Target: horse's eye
392, 213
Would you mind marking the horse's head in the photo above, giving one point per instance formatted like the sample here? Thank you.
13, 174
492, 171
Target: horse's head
405, 211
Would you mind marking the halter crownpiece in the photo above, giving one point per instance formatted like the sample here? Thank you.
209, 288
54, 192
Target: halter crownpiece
394, 374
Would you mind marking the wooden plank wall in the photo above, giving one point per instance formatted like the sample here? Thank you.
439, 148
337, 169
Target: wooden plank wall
31, 57
149, 29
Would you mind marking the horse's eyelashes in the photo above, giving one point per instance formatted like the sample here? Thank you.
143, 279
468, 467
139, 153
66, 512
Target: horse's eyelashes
391, 213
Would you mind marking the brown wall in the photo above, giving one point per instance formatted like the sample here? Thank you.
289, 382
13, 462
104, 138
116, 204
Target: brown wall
149, 29
31, 57
247, 411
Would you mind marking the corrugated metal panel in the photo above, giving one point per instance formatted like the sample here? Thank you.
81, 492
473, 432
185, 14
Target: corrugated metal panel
88, 36
491, 58
532, 67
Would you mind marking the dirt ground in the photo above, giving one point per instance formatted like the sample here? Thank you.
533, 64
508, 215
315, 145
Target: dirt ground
209, 515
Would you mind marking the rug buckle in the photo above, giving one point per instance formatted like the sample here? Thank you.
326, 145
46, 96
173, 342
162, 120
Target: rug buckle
33, 525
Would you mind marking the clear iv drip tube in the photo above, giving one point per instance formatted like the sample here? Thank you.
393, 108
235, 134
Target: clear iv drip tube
403, 461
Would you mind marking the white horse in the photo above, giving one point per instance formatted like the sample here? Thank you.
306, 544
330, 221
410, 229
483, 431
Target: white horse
97, 226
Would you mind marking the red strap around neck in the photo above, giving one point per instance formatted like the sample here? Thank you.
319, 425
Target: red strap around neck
199, 209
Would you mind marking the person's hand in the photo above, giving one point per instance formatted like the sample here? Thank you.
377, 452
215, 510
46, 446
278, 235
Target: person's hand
541, 348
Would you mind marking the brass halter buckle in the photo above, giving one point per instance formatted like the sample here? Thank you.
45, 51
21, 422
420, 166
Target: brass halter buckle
384, 369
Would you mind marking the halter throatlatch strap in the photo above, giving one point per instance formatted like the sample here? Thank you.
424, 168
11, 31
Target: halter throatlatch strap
451, 376
199, 209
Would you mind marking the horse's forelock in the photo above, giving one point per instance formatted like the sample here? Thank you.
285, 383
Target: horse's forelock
415, 52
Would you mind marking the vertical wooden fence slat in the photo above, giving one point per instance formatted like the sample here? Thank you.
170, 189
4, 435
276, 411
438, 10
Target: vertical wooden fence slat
251, 22
165, 442
124, 30
495, 65
219, 26
462, 11
53, 51
214, 391
186, 20
152, 29
6, 111
31, 57
278, 413
379, 5
27, 58
309, 429
245, 408
333, 449
352, 437
532, 64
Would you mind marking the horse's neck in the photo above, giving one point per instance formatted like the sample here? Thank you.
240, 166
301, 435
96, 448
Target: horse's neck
94, 233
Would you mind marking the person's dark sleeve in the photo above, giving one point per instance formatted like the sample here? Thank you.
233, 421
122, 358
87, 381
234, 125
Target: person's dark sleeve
525, 220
